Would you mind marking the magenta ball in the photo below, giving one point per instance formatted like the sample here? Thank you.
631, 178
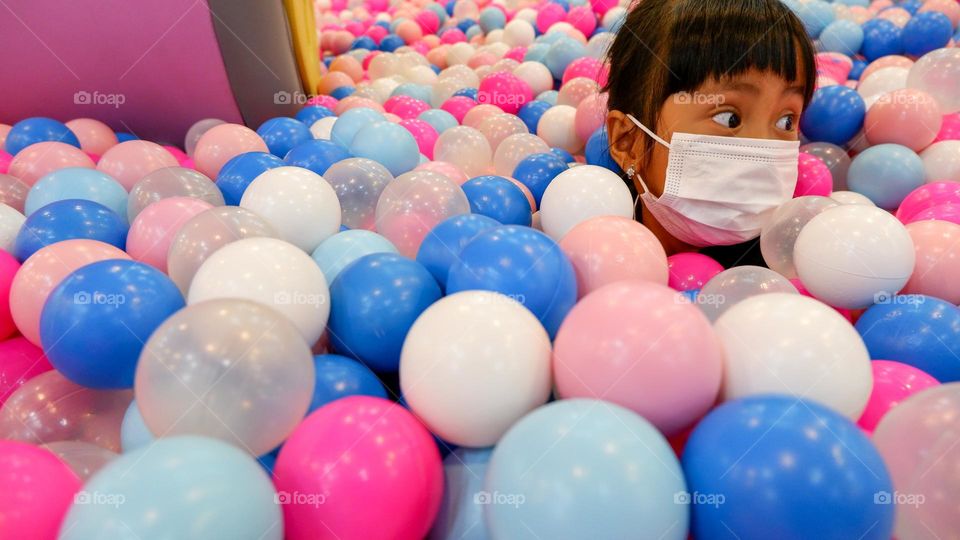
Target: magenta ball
458, 106
813, 177
424, 134
691, 271
505, 90
928, 196
405, 106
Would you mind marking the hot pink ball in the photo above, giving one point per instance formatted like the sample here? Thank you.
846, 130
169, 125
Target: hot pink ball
949, 128
516, 53
449, 170
152, 232
8, 269
377, 33
834, 65
583, 19
667, 368
130, 161
38, 489
591, 115
94, 135
893, 382
505, 90
38, 159
5, 160
690, 271
907, 117
458, 106
453, 35
588, 67
20, 361
429, 21
178, 154
928, 196
323, 100
602, 6
361, 452
424, 134
369, 58
549, 15
354, 28
813, 177
405, 106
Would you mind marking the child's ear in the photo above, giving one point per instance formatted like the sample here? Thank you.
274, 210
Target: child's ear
626, 141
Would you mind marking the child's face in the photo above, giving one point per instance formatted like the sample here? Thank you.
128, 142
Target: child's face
754, 104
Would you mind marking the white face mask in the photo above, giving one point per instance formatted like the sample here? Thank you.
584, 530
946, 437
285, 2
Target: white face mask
720, 190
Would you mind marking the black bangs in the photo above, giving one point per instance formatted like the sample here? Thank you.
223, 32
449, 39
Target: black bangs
715, 39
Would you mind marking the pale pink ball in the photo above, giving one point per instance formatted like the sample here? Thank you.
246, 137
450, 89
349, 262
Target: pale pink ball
153, 230
478, 114
893, 60
354, 102
575, 91
222, 143
908, 117
897, 16
591, 115
95, 136
447, 169
41, 158
950, 8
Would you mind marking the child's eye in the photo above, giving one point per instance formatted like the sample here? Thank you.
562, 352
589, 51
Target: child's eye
727, 119
786, 122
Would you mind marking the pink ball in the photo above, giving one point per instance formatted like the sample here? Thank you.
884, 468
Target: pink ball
5, 160
813, 177
927, 196
896, 15
505, 90
458, 106
893, 382
429, 21
516, 53
152, 232
588, 67
222, 143
549, 15
323, 100
361, 452
949, 129
4, 131
38, 159
691, 271
667, 368
583, 19
95, 136
591, 115
405, 106
478, 114
377, 33
369, 58
834, 65
354, 102
907, 117
482, 59
409, 31
38, 489
608, 249
893, 60
130, 161
424, 134
20, 361
178, 154
8, 269
449, 170
937, 246
453, 35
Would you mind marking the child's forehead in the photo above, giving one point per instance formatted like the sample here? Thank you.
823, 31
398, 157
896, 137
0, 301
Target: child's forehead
750, 79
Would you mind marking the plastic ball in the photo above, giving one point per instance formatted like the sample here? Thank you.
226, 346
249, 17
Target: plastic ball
557, 127
938, 74
580, 193
839, 274
537, 171
498, 127
881, 38
42, 158
561, 54
886, 174
171, 182
941, 161
237, 174
94, 136
498, 198
505, 90
835, 115
466, 148
907, 117
514, 149
835, 158
413, 204
779, 234
14, 193
439, 119
282, 134
339, 377
532, 112
441, 247
893, 382
69, 219
316, 155
36, 130
691, 271
358, 183
842, 36
926, 32
221, 143
340, 250
40, 490
151, 234
389, 144
928, 196
196, 131
813, 177
732, 286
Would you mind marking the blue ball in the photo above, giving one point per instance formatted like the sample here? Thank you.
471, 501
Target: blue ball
316, 155
134, 432
69, 219
842, 36
886, 174
38, 129
567, 157
465, 25
449, 7
691, 295
441, 247
374, 302
389, 144
460, 516
339, 376
597, 151
282, 134
342, 92
364, 42
561, 54
562, 3
492, 18
77, 183
521, 263
549, 97
815, 15
912, 6
531, 112
350, 122
439, 119
468, 92
881, 38
918, 330
537, 171
835, 115
499, 199
240, 171
536, 52
338, 251
441, 12
95, 323
309, 115
926, 32
391, 42
123, 136
473, 31
857, 70
809, 471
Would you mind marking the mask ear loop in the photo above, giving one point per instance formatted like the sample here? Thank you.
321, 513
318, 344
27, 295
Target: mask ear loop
656, 138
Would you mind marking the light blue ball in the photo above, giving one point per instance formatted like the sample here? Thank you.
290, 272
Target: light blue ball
842, 36
337, 252
352, 121
561, 54
536, 52
549, 96
473, 31
583, 468
886, 174
492, 18
389, 144
861, 3
439, 119
461, 514
178, 487
418, 91
77, 183
815, 15
134, 433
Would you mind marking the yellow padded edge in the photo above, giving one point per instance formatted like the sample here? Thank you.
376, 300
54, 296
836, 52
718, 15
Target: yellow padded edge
303, 30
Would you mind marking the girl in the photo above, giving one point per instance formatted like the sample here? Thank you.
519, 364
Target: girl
705, 97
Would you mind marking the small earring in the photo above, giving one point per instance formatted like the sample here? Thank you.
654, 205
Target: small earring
630, 172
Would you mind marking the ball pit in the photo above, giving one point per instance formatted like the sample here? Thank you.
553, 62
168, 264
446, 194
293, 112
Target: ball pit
421, 299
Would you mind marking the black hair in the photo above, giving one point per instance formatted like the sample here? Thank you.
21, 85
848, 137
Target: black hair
670, 46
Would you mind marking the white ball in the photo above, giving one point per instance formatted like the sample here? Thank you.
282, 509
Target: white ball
851, 197
536, 75
941, 161
518, 33
469, 387
299, 203
526, 14
790, 344
11, 220
271, 272
556, 127
851, 255
322, 128
459, 53
421, 75
883, 81
581, 193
